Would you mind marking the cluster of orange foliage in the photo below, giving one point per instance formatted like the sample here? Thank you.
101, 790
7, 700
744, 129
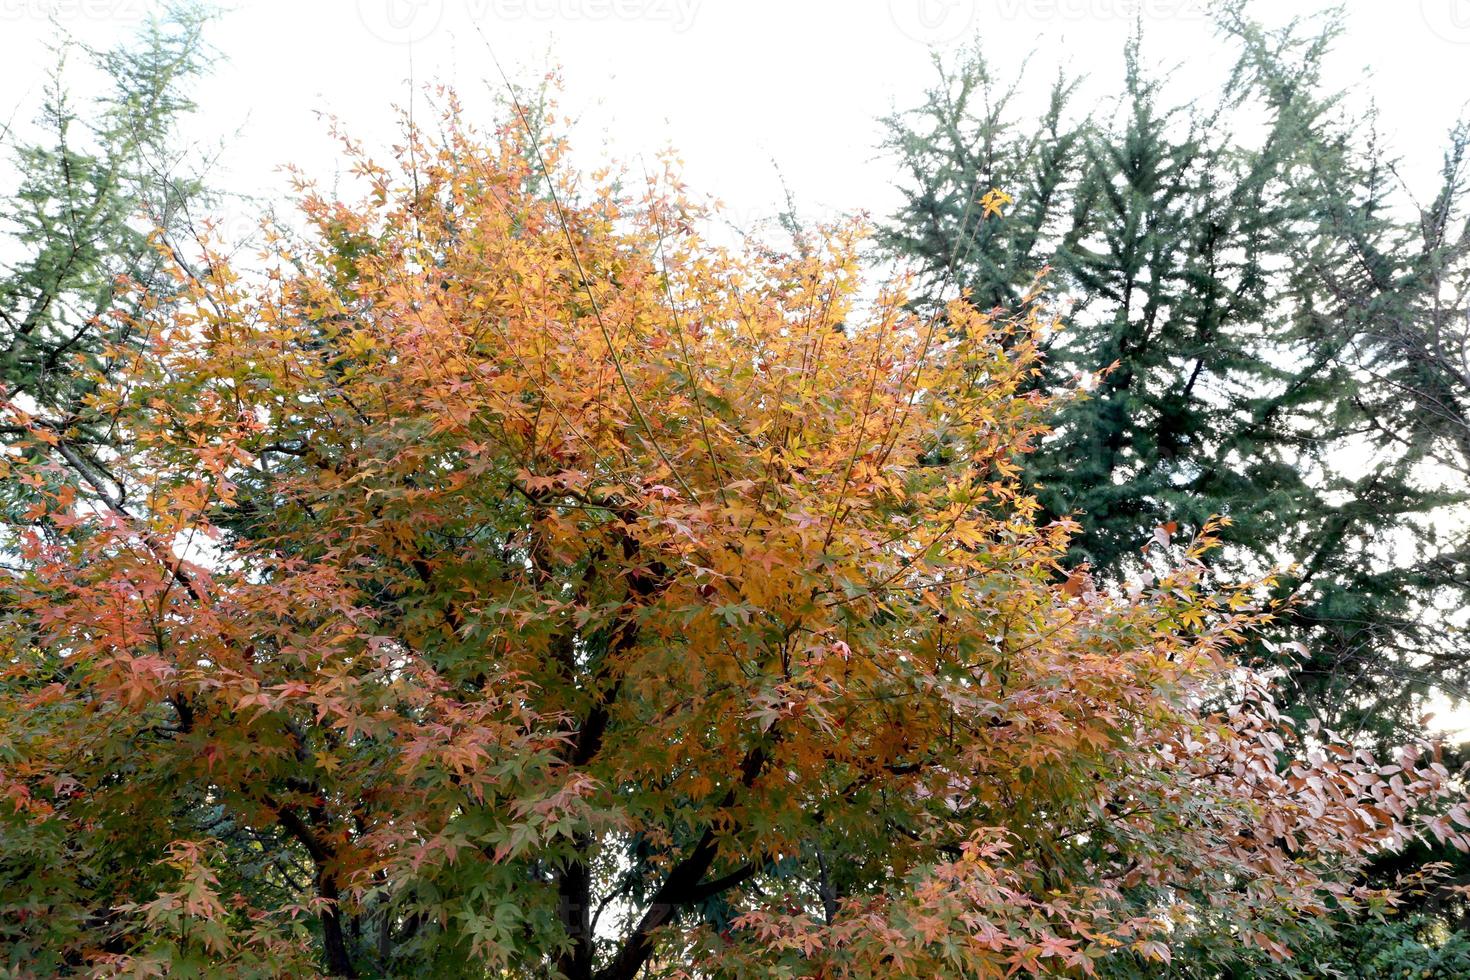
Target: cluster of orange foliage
507, 581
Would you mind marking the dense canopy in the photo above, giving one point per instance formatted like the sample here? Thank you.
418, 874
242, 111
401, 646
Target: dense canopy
509, 582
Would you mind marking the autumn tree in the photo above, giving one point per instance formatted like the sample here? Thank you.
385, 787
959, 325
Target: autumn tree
501, 580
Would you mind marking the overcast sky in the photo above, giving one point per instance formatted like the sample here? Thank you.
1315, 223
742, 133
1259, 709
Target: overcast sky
739, 87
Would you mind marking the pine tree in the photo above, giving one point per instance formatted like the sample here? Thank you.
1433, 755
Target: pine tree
100, 194
1232, 278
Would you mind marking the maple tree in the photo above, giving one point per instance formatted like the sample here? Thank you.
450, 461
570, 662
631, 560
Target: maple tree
506, 581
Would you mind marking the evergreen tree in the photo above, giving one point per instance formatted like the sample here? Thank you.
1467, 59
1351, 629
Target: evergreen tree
1250, 313
99, 195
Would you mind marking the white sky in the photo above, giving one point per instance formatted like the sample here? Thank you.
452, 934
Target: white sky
739, 87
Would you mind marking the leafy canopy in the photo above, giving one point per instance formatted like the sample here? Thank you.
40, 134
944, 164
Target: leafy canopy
507, 582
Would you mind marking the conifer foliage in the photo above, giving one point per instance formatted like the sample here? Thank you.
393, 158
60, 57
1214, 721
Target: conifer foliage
102, 181
1272, 325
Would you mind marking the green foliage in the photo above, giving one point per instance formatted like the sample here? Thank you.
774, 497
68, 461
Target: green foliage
1269, 330
1416, 945
100, 194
